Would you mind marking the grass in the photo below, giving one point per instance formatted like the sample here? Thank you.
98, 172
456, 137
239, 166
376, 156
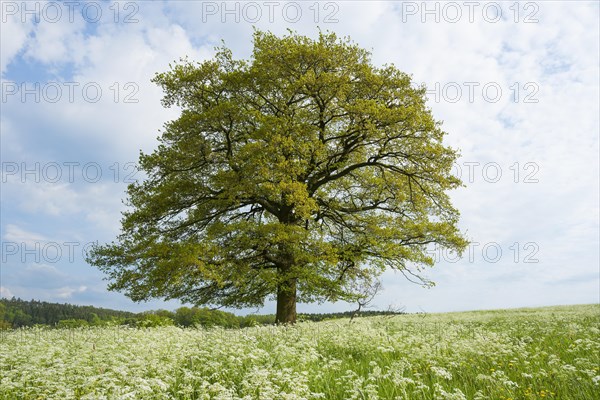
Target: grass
544, 353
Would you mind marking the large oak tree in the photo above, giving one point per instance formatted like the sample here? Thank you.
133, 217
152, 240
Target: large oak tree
299, 175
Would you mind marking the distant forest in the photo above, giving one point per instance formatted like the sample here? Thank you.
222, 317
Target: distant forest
16, 313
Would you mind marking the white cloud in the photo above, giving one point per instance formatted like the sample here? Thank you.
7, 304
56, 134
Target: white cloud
56, 42
5, 292
14, 233
68, 292
14, 36
42, 269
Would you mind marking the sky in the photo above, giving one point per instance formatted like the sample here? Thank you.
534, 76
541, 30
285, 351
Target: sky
516, 85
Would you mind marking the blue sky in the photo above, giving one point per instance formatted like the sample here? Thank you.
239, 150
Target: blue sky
516, 84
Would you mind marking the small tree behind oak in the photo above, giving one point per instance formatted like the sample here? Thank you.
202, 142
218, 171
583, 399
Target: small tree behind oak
293, 176
365, 295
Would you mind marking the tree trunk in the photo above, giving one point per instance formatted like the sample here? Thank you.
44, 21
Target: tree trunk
286, 302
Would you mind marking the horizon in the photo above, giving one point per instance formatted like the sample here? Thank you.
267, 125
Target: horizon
365, 309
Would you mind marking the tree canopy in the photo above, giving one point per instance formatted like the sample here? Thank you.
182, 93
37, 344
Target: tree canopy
296, 175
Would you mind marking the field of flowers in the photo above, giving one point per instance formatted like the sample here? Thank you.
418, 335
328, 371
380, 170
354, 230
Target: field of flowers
545, 353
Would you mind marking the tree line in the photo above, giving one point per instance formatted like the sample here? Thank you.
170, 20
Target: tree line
17, 313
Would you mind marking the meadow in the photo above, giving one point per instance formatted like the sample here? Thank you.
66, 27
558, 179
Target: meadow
543, 353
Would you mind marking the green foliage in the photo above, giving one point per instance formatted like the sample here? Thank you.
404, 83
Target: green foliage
256, 320
186, 317
72, 323
151, 320
3, 323
300, 173
18, 313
